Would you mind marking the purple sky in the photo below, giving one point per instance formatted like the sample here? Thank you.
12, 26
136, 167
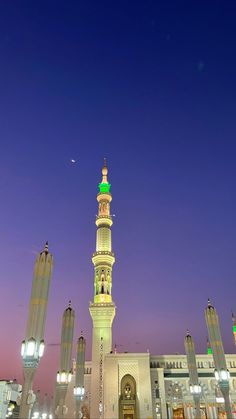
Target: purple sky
152, 88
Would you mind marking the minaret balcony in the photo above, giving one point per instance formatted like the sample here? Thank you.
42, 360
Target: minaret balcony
103, 256
105, 220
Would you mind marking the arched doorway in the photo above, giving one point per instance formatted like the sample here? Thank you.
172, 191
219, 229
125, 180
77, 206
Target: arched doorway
128, 398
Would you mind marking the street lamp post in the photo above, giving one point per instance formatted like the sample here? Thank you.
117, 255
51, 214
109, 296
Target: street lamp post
79, 378
32, 347
64, 375
195, 388
221, 372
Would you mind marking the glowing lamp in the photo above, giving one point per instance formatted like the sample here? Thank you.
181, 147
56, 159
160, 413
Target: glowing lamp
63, 377
222, 375
195, 389
219, 399
79, 391
23, 348
30, 348
41, 348
217, 375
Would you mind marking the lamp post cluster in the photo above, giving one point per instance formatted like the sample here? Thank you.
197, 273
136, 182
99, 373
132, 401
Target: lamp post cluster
215, 347
32, 348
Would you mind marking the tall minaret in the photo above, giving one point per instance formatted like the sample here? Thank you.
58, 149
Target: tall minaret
33, 346
102, 310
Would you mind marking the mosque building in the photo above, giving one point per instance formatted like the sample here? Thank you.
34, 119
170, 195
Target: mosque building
137, 385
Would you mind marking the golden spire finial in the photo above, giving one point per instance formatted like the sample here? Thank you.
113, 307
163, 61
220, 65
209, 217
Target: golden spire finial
104, 171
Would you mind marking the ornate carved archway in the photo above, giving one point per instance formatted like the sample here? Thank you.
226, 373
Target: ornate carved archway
128, 398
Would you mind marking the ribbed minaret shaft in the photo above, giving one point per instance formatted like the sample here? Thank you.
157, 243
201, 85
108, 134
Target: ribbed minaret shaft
65, 372
221, 372
195, 388
102, 310
79, 377
33, 345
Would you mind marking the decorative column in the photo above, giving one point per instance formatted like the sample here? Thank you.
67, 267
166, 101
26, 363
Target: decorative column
64, 374
221, 372
32, 347
102, 310
79, 377
195, 388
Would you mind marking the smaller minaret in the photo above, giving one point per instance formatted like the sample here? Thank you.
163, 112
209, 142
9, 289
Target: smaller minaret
221, 372
32, 347
234, 327
195, 388
79, 378
64, 374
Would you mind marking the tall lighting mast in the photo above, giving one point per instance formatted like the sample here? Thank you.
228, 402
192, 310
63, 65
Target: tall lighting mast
32, 347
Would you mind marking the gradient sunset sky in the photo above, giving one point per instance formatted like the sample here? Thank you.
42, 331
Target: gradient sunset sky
150, 85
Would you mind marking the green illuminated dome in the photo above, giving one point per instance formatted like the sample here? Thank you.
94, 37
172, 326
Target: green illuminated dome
104, 186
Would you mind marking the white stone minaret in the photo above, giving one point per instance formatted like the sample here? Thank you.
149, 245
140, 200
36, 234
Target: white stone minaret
33, 346
102, 310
